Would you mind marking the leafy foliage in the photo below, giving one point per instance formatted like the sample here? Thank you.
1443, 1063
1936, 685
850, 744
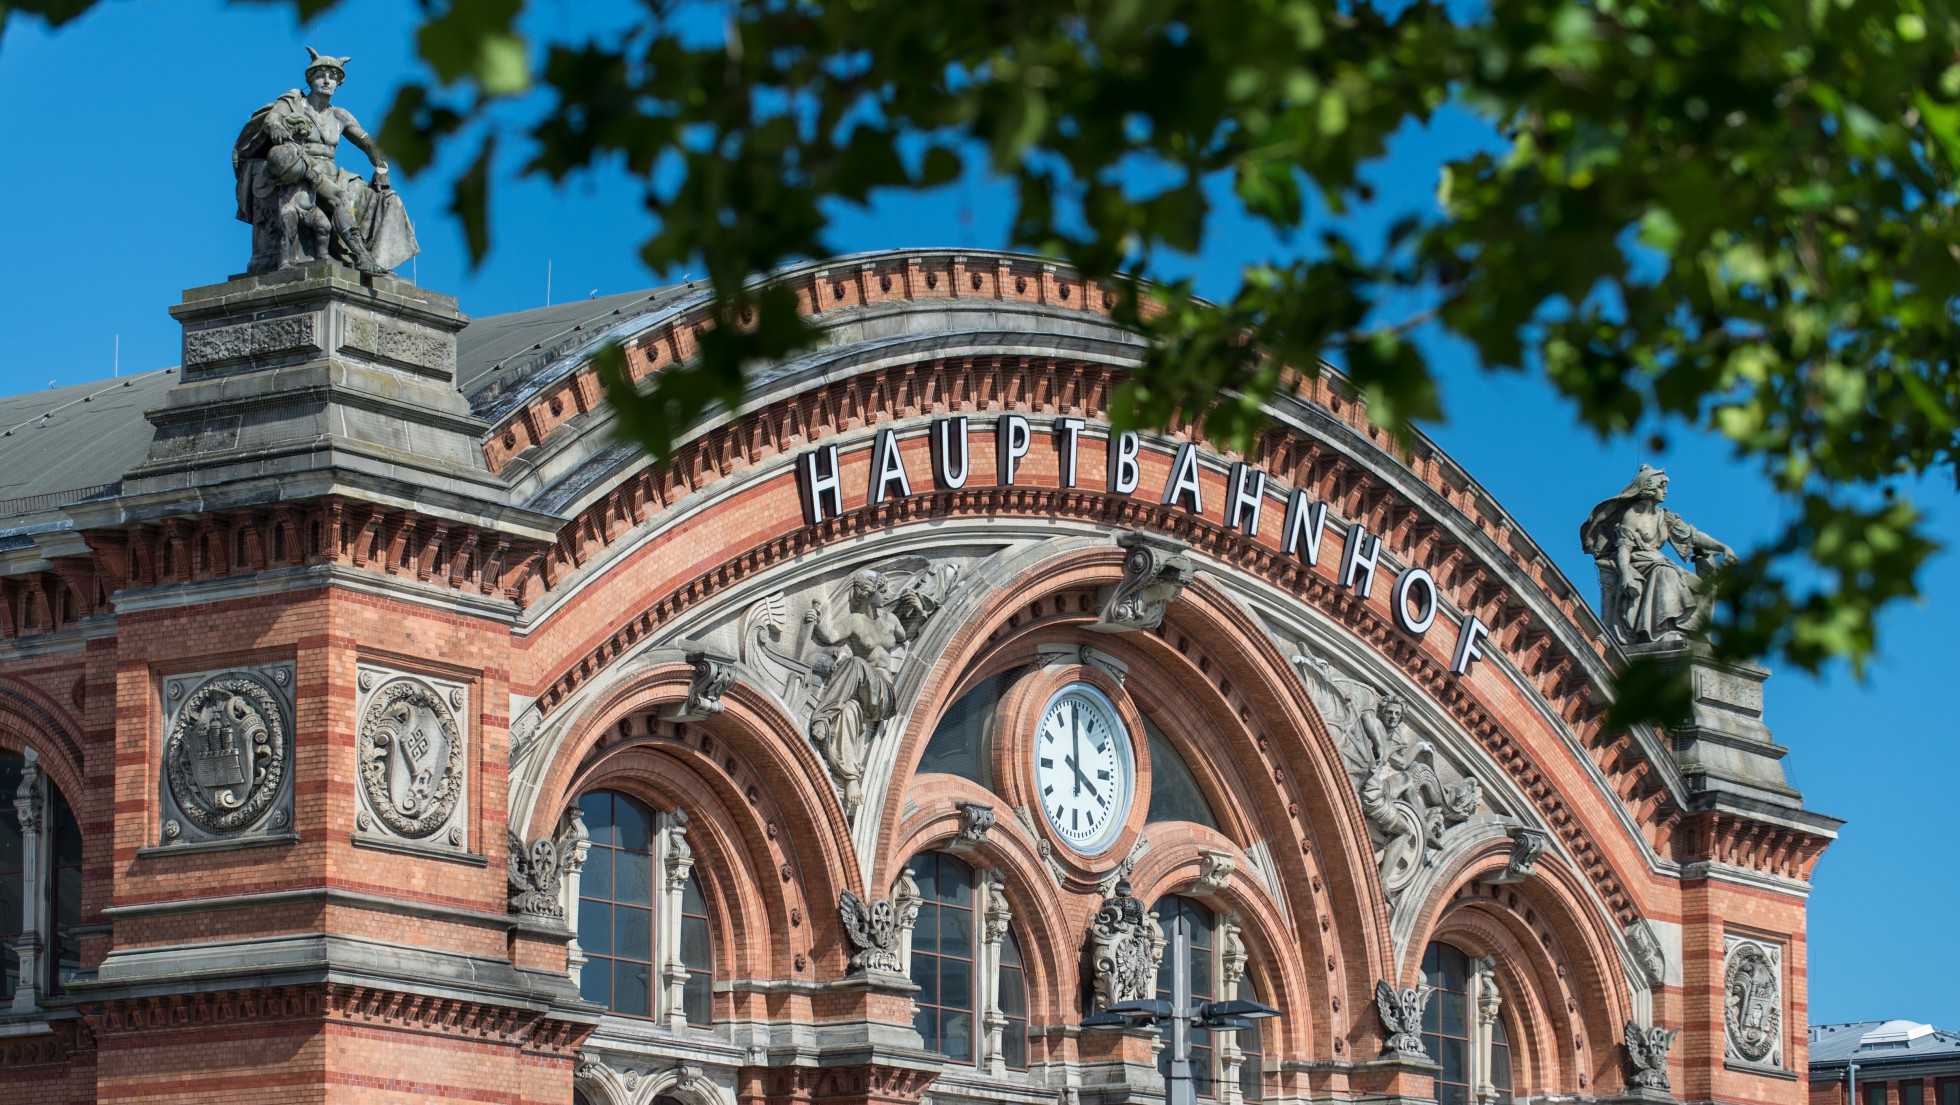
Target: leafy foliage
1740, 212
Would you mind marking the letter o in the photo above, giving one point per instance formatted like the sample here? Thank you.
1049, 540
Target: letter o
1405, 584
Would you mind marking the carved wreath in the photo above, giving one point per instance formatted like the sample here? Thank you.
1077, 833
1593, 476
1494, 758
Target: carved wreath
407, 788
244, 707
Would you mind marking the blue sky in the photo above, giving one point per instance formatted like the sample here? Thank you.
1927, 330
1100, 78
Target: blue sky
119, 192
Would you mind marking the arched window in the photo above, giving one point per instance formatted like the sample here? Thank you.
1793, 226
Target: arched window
1463, 1026
1174, 791
1252, 1050
641, 911
1199, 929
40, 882
972, 1004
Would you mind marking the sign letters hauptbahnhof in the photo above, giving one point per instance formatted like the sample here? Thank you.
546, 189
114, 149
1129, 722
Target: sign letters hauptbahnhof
1413, 601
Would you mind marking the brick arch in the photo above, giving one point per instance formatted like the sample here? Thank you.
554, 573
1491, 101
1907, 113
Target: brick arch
1288, 980
30, 719
1051, 926
1553, 943
1302, 804
775, 809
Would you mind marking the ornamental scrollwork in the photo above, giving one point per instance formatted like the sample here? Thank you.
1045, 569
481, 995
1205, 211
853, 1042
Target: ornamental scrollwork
227, 755
412, 755
1126, 946
1647, 1050
1155, 573
537, 871
874, 929
1401, 1014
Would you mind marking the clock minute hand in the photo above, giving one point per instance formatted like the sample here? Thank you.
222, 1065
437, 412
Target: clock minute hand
1082, 780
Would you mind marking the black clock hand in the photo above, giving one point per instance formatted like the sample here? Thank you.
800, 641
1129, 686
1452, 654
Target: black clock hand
1075, 732
1082, 780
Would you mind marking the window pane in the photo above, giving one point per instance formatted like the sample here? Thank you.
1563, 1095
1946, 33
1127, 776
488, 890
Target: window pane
1014, 1044
595, 981
595, 926
956, 1034
1910, 1093
597, 810
1252, 1079
633, 877
1013, 993
1950, 1093
956, 983
1451, 1094
632, 989
9, 903
67, 833
633, 824
955, 933
596, 881
1500, 1068
1453, 1009
691, 899
925, 975
1201, 1079
1875, 1093
697, 998
1455, 1057
632, 932
694, 943
1010, 952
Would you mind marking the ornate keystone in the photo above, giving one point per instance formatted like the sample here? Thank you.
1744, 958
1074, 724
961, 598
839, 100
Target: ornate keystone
713, 675
976, 821
1401, 1014
1647, 1050
1526, 846
1214, 872
1155, 572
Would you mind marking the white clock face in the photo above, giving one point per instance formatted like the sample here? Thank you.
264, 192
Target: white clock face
1084, 768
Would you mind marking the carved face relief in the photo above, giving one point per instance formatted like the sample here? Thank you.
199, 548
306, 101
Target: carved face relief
227, 753
411, 747
1752, 1002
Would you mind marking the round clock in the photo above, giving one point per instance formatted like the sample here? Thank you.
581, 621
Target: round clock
1084, 767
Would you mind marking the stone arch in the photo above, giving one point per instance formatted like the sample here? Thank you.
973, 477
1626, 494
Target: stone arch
756, 821
1555, 950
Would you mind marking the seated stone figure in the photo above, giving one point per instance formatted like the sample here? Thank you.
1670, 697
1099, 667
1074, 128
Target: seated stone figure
302, 206
1645, 597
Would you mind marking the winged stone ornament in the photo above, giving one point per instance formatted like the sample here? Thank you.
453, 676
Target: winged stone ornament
1401, 1013
873, 927
1647, 1050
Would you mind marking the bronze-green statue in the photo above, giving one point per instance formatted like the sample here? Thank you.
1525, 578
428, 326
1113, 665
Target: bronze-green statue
302, 206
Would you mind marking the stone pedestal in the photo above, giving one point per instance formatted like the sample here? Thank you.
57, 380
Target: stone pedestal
1396, 1080
1724, 747
1120, 1065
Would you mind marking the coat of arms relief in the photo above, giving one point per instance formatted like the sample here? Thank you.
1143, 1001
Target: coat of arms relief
412, 755
227, 755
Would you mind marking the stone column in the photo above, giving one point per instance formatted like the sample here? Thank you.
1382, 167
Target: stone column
31, 806
573, 862
1231, 969
996, 917
906, 899
676, 863
1488, 1003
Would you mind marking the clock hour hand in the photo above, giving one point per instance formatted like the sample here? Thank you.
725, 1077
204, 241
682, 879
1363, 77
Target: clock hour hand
1082, 779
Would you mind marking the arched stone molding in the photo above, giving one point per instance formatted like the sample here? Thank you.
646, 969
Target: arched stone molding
1284, 956
30, 719
751, 799
633, 1079
1552, 942
1050, 925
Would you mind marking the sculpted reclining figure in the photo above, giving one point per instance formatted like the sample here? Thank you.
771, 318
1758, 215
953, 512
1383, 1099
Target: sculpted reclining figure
302, 206
1644, 596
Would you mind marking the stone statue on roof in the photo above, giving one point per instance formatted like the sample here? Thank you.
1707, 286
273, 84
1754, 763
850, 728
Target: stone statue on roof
302, 206
1645, 597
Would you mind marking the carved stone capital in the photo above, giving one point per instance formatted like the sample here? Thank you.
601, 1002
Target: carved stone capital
714, 674
1527, 845
1155, 572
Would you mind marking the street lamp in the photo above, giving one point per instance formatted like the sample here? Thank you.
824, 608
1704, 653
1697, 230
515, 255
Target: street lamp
1182, 1014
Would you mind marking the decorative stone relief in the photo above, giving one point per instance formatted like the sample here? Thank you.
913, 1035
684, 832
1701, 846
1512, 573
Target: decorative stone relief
1214, 872
839, 664
713, 675
1155, 572
1401, 1014
1126, 945
1647, 951
1410, 797
1527, 845
1647, 1050
906, 902
537, 873
1752, 1014
227, 755
1231, 957
411, 747
875, 930
1041, 845
410, 348
245, 340
1644, 597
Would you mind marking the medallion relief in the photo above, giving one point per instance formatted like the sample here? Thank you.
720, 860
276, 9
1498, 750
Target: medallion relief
411, 747
227, 754
1752, 1002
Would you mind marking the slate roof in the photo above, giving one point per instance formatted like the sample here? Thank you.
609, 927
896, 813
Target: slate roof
67, 444
1876, 1042
497, 354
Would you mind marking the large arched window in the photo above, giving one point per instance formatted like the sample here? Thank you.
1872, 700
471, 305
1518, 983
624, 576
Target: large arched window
40, 882
1463, 1027
642, 920
1220, 1061
972, 1004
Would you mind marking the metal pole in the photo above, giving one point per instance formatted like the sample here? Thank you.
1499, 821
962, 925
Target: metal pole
1180, 1090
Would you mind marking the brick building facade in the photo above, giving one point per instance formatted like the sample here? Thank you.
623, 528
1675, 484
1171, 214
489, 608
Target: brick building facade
379, 729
